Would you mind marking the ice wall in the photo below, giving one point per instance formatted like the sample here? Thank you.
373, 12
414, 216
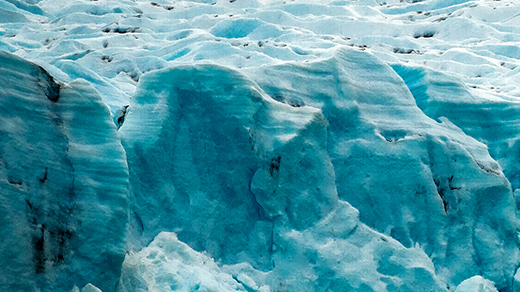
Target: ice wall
64, 182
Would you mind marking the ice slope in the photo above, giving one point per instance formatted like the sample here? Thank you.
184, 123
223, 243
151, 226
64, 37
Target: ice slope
289, 134
64, 182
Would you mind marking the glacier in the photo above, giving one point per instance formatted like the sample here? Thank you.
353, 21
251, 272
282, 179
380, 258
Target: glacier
259, 145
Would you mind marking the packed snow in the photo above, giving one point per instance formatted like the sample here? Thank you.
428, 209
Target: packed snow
259, 145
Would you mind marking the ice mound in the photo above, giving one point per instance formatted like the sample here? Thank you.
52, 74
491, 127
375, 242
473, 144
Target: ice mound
170, 265
476, 283
234, 149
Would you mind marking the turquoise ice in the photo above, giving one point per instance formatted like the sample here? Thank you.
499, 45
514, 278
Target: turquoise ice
259, 145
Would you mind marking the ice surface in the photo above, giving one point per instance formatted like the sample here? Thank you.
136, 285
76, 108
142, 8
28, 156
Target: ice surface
289, 145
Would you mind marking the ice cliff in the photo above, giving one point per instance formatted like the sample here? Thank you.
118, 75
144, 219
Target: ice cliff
259, 146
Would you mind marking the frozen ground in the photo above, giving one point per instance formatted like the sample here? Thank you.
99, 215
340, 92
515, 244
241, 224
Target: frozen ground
258, 145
